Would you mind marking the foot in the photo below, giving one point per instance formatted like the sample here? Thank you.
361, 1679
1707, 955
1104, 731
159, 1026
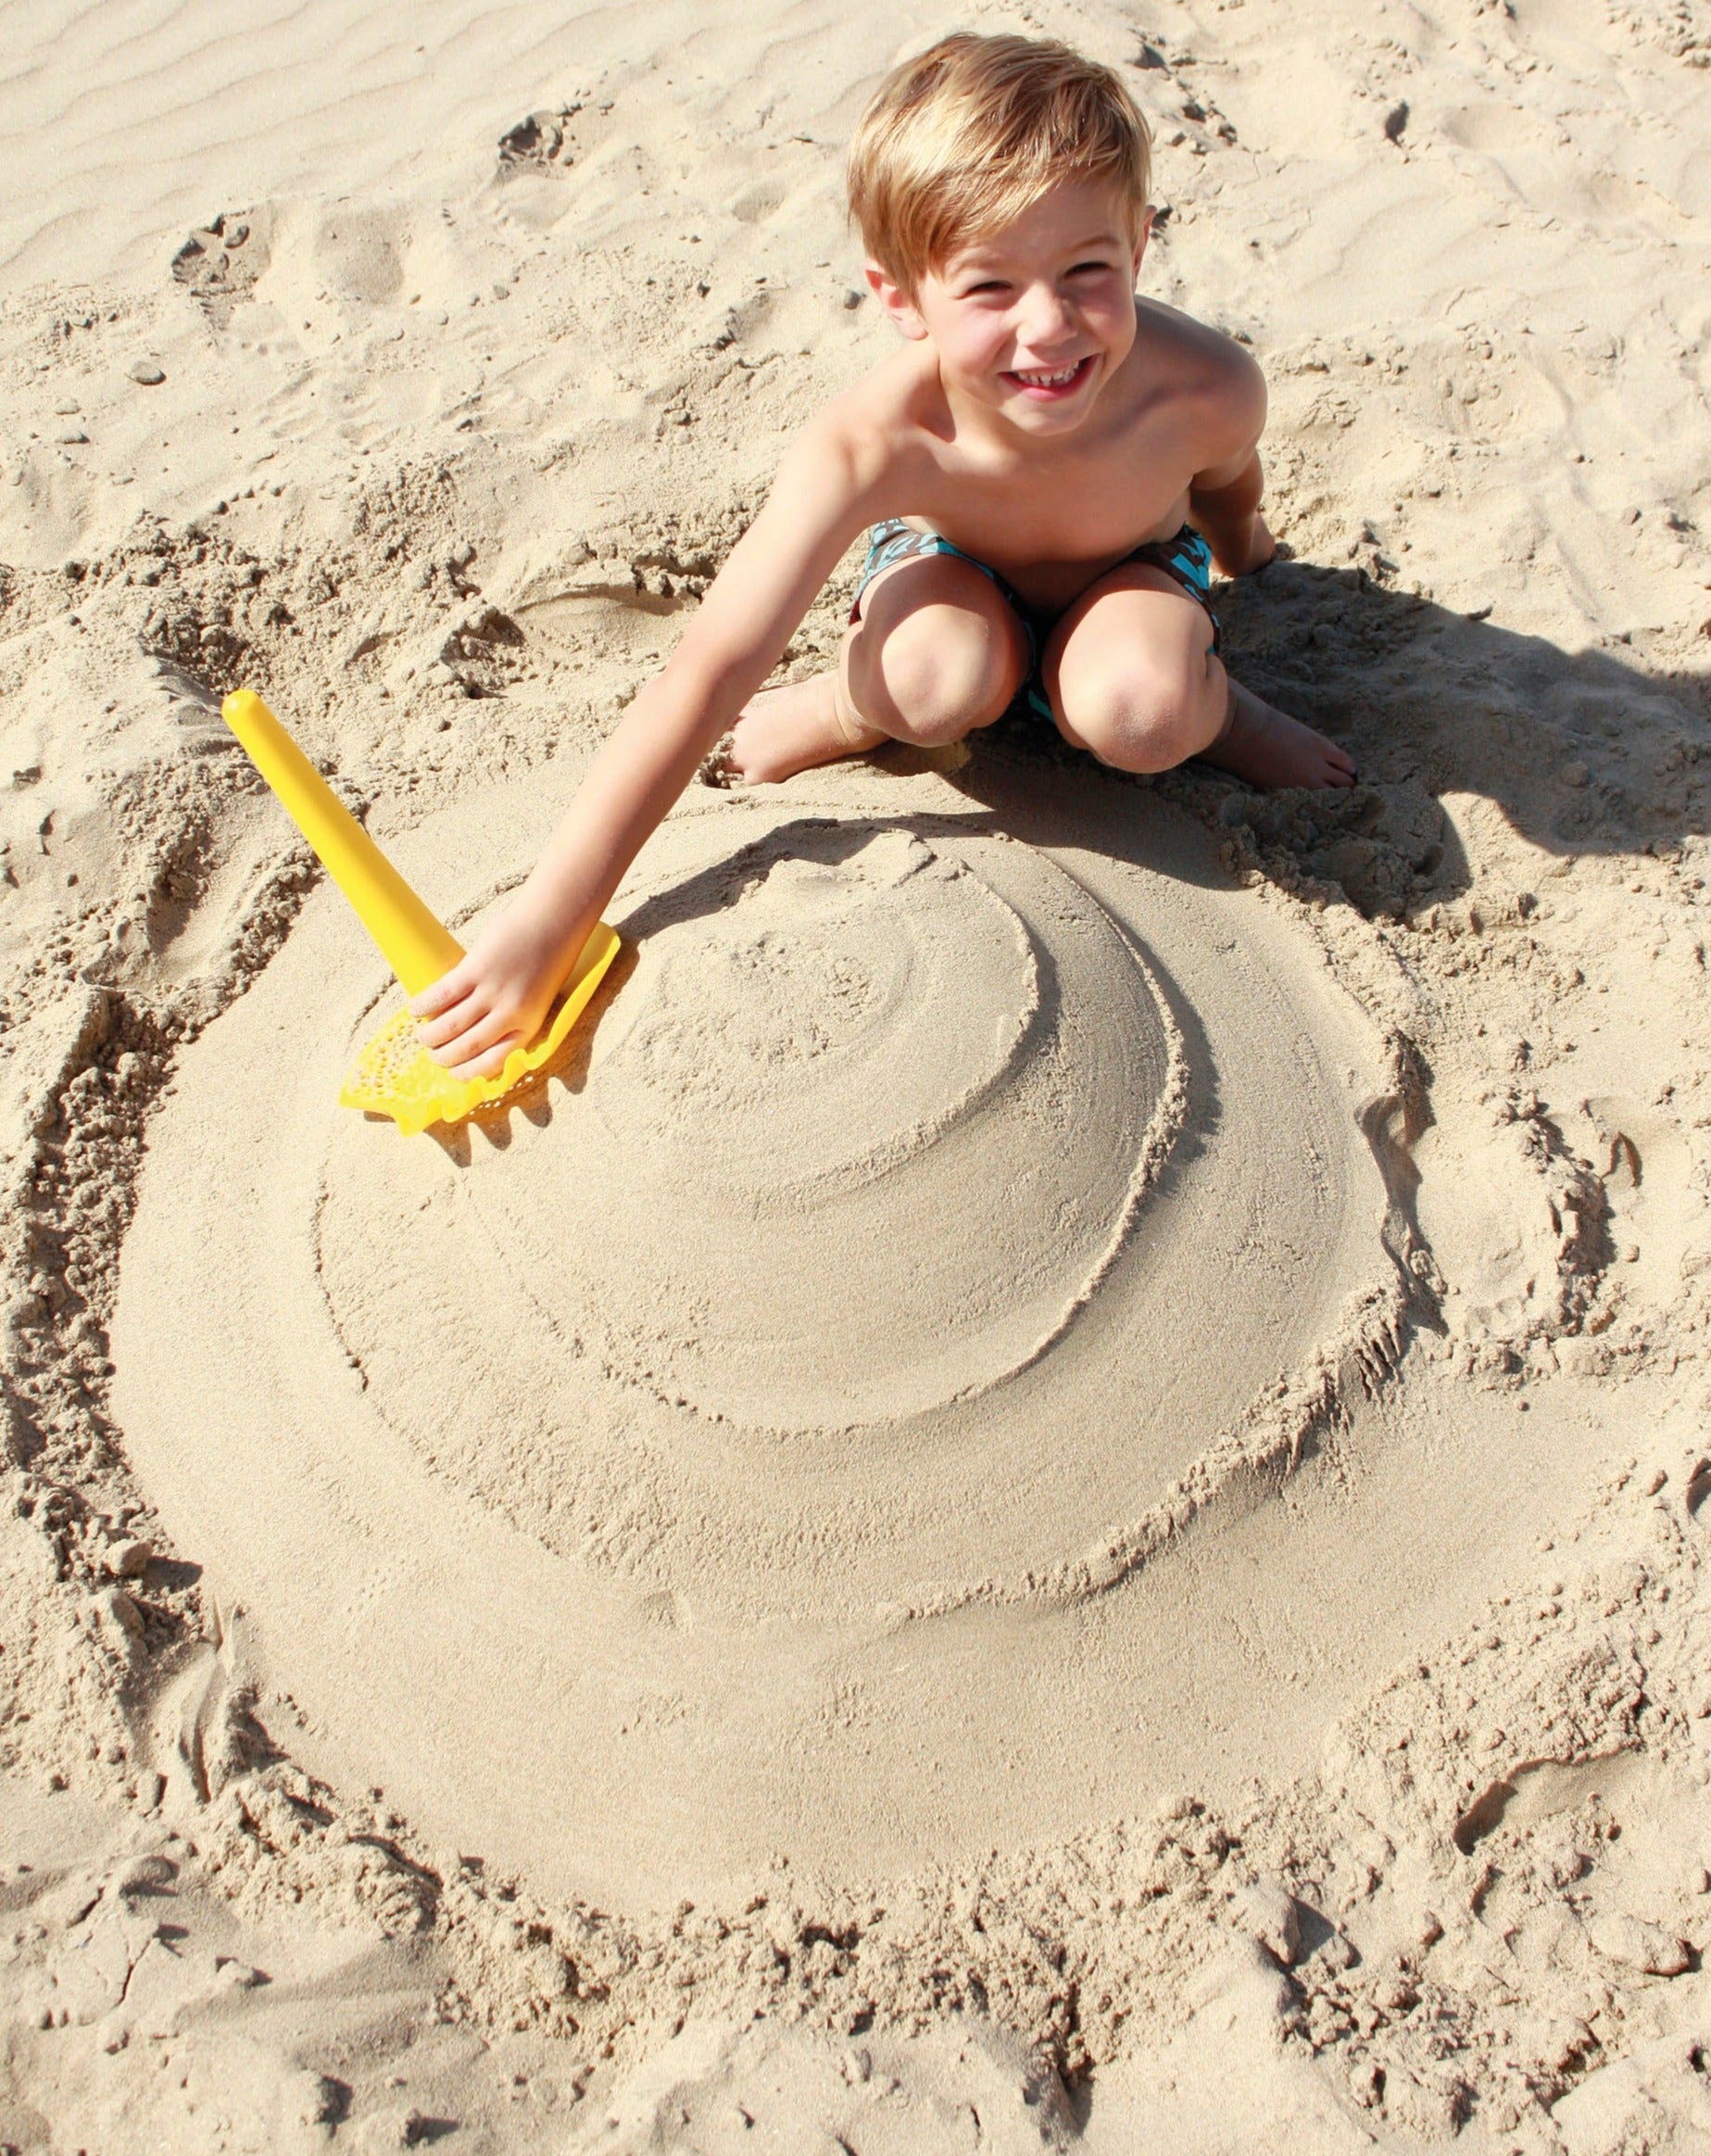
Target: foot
791, 729
1268, 748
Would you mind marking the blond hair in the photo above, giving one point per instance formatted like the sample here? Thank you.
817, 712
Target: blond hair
973, 131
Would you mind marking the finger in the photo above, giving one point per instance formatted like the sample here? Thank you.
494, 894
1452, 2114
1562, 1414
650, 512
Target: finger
453, 1024
440, 995
491, 1061
473, 1040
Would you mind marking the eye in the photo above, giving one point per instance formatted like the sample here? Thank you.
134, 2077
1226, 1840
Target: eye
1083, 268
986, 289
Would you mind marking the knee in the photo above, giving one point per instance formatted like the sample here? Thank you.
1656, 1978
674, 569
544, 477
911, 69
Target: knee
944, 671
1141, 719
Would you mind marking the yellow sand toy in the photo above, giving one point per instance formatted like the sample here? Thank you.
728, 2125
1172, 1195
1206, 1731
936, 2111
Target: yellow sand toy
395, 1075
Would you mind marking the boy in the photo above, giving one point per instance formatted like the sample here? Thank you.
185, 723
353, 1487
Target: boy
1049, 467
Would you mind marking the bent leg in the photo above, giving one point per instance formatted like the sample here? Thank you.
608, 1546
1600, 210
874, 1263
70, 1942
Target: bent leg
1133, 678
936, 652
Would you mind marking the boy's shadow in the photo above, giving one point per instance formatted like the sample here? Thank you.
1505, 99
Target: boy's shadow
1587, 753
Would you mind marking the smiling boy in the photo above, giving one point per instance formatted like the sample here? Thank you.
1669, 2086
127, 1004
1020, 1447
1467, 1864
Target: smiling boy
1048, 471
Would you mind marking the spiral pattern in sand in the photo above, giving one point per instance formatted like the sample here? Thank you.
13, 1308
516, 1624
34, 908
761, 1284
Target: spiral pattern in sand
848, 1277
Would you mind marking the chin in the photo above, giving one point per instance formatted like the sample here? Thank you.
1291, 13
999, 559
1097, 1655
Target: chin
1047, 419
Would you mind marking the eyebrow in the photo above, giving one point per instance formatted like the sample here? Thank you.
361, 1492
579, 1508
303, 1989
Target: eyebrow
976, 264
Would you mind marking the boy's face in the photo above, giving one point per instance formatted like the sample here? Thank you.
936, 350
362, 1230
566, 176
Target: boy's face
1032, 320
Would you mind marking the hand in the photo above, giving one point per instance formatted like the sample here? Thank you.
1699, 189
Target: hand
494, 998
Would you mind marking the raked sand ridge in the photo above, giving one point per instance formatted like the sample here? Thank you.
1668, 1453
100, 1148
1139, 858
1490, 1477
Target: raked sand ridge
1061, 1469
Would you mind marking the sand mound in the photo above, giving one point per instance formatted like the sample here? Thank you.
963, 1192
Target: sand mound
839, 1282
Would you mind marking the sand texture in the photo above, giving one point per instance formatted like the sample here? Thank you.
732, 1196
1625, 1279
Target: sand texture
1052, 1492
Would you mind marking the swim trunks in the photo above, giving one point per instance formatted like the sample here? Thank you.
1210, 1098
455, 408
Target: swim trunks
1186, 560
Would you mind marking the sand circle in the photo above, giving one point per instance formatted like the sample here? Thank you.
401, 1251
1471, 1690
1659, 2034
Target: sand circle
846, 1293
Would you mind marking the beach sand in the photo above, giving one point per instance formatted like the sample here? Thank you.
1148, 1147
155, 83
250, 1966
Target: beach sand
1051, 1494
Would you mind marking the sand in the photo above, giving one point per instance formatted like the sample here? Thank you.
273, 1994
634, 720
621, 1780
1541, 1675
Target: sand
1052, 1494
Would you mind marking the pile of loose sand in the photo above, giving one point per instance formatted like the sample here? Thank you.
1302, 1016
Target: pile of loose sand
1059, 1475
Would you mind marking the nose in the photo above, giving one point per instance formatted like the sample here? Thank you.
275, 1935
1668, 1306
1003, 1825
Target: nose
1043, 317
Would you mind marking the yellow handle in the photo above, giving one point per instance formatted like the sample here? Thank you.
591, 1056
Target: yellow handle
411, 940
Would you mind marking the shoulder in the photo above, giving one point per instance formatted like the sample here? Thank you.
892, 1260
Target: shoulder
1219, 380
877, 428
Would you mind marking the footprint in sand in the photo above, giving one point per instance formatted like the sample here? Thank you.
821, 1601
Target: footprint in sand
221, 261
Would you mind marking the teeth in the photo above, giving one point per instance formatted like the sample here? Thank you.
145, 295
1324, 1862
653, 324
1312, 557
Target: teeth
1053, 380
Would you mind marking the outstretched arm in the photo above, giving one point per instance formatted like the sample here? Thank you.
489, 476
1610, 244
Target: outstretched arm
498, 994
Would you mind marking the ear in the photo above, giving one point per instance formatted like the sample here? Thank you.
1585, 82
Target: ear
1146, 233
900, 308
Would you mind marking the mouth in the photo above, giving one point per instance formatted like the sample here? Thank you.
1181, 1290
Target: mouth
1049, 385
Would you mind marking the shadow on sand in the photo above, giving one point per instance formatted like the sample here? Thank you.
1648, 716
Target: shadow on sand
1581, 753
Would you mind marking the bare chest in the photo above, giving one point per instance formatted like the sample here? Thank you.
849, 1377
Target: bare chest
1051, 529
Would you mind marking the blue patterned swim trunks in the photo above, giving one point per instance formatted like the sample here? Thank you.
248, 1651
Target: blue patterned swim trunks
1186, 560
